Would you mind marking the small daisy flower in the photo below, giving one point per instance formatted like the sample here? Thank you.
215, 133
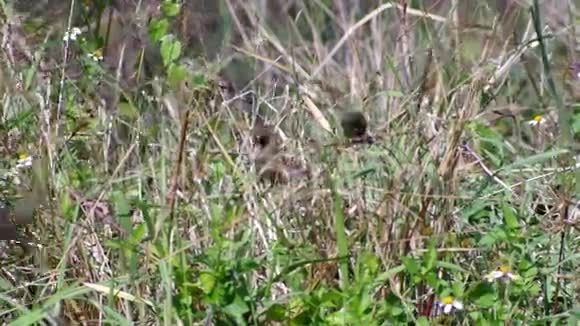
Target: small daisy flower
449, 303
503, 272
97, 55
537, 120
72, 34
24, 161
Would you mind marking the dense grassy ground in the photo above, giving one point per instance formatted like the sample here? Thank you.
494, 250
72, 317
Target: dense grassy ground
140, 203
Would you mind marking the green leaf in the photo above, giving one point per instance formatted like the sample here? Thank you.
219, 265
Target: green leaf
199, 80
176, 73
390, 273
66, 203
483, 294
433, 279
247, 265
206, 282
458, 289
139, 232
115, 316
276, 312
475, 208
411, 265
423, 321
368, 264
486, 300
430, 256
158, 29
30, 317
488, 240
170, 49
237, 309
493, 237
450, 266
508, 214
396, 311
170, 8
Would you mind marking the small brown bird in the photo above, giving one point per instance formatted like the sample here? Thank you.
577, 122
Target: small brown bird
355, 127
273, 165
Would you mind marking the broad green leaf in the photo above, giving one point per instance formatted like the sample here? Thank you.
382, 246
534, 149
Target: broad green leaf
411, 265
508, 214
276, 312
488, 240
396, 311
458, 289
158, 29
423, 321
176, 73
206, 282
171, 8
170, 49
237, 308
483, 294
486, 300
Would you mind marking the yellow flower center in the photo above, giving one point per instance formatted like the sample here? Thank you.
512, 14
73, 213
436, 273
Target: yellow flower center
98, 53
538, 118
23, 156
447, 300
504, 269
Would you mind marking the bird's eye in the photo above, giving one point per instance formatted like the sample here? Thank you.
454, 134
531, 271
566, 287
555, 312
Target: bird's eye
223, 85
262, 140
249, 98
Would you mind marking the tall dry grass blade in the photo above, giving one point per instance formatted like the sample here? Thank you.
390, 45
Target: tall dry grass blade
368, 17
316, 114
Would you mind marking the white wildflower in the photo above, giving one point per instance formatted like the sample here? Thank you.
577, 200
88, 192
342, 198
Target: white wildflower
24, 161
503, 272
72, 34
537, 120
449, 303
95, 57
